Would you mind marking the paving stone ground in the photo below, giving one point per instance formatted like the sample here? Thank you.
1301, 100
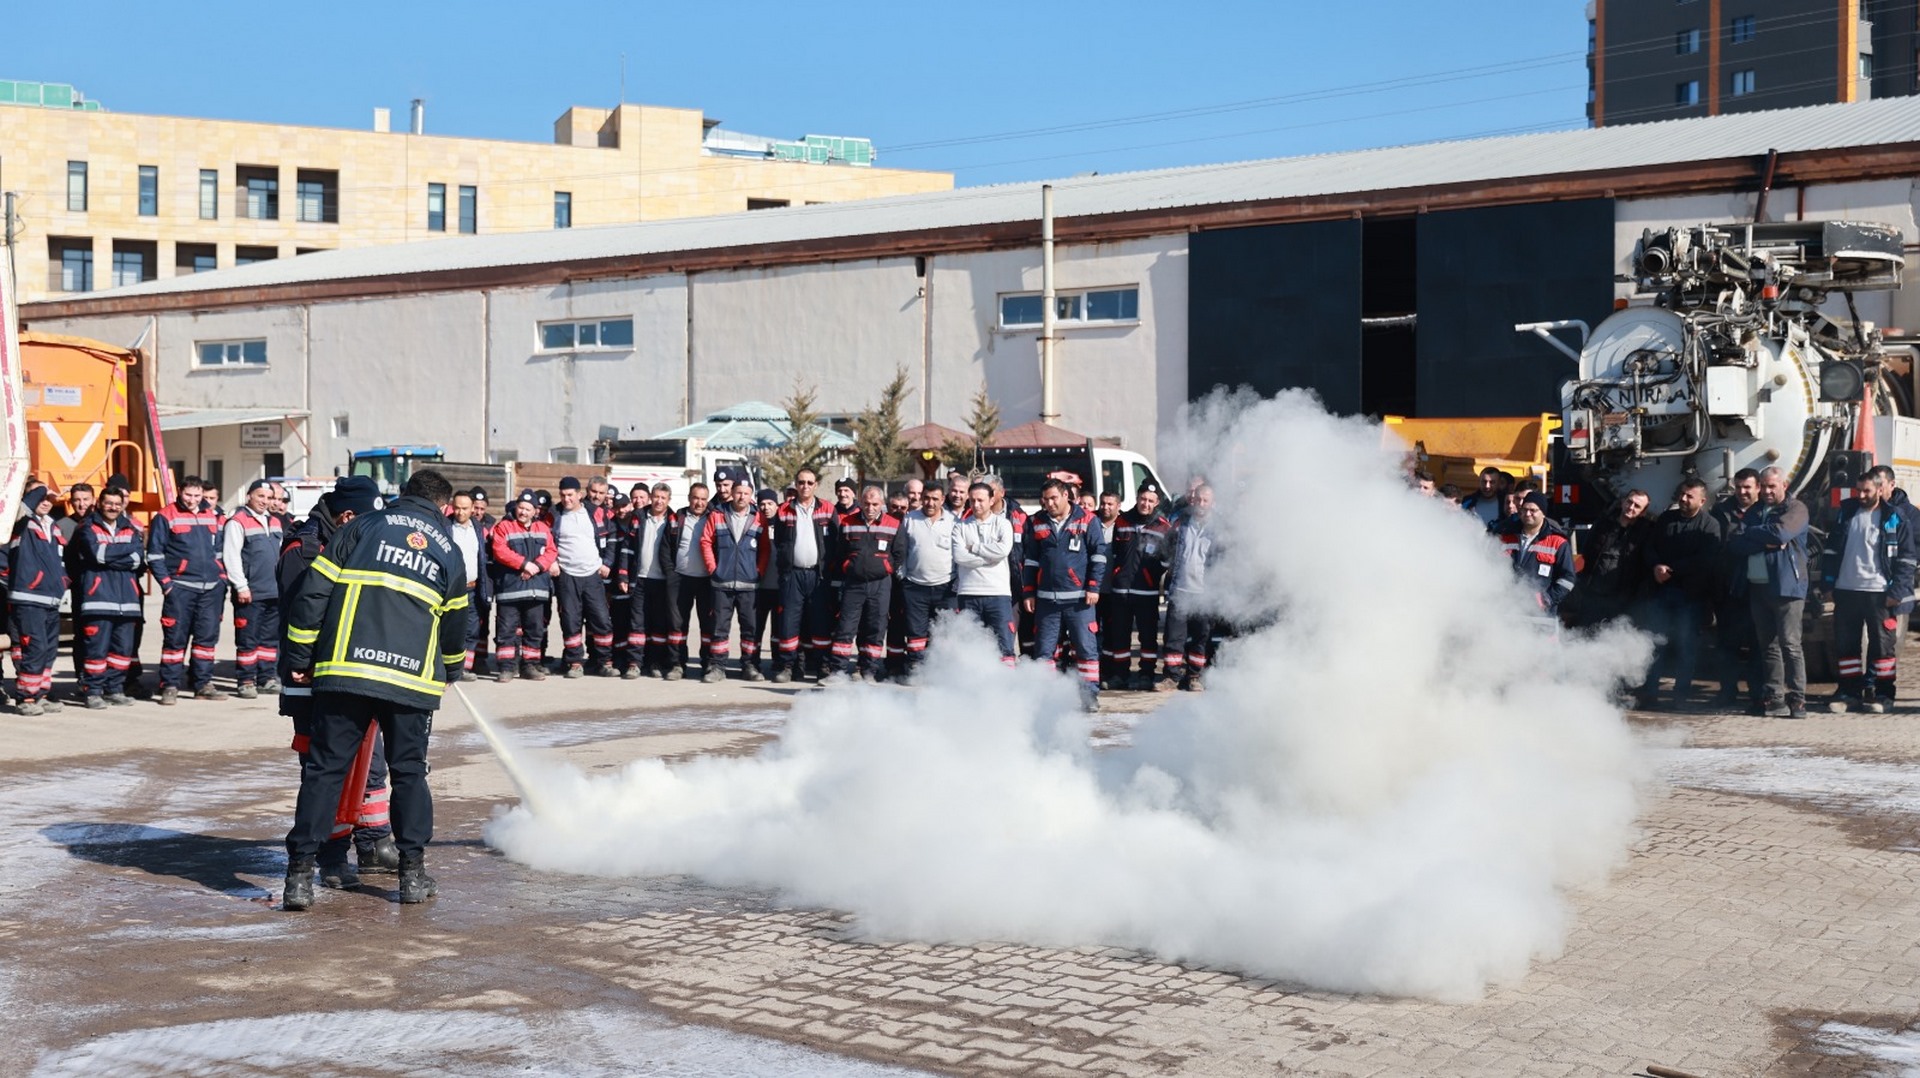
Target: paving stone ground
1763, 904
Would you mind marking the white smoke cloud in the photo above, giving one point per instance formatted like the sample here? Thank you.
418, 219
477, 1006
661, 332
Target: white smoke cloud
1390, 786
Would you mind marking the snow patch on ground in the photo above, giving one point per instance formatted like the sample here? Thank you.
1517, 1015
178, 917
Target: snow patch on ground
1829, 782
592, 1042
1898, 1051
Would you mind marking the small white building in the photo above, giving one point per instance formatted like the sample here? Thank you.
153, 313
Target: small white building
1387, 280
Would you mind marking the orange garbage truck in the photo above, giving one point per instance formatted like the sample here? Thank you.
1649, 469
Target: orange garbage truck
89, 417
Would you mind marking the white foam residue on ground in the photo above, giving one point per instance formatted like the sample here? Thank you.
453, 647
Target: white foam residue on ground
1833, 782
1898, 1050
474, 1044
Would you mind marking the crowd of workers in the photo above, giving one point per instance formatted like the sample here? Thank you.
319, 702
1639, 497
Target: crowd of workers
806, 586
1737, 572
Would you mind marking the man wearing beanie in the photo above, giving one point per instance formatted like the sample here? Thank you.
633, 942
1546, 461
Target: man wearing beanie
1542, 554
35, 576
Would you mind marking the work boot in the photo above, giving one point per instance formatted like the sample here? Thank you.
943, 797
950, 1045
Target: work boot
506, 674
119, 699
535, 672
714, 675
208, 692
1166, 684
338, 875
468, 675
271, 686
299, 888
752, 672
246, 691
51, 704
782, 675
415, 885
674, 673
605, 670
377, 856
631, 673
96, 703
31, 708
575, 670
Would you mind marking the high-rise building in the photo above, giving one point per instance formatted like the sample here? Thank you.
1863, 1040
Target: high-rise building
1666, 59
102, 199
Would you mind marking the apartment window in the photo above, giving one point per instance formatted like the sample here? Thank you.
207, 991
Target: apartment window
563, 209
317, 193
436, 207
251, 353
1686, 41
77, 186
1866, 65
1740, 30
71, 260
469, 210
259, 192
149, 191
1686, 93
768, 203
209, 195
194, 258
1742, 83
584, 336
134, 261
1090, 307
247, 256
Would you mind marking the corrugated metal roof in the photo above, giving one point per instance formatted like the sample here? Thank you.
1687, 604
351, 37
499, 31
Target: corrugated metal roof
224, 417
1550, 154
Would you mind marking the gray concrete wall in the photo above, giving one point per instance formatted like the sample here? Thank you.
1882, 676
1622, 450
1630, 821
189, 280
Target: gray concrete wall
842, 328
404, 369
540, 400
1114, 380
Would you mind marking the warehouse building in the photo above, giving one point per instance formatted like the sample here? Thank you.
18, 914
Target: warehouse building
1388, 281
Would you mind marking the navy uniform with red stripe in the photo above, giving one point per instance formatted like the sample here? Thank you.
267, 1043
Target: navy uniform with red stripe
863, 562
1138, 567
107, 600
1065, 563
183, 553
735, 564
520, 555
250, 545
806, 598
1543, 563
35, 576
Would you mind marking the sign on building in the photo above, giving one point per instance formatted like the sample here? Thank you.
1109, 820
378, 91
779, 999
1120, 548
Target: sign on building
260, 435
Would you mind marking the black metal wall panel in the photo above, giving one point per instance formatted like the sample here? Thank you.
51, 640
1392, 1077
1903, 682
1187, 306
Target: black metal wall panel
1276, 307
1483, 270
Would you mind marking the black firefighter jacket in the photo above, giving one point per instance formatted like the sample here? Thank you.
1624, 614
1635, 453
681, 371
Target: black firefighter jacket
383, 610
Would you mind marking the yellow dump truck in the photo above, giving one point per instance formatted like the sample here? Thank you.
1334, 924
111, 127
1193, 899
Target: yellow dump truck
1455, 450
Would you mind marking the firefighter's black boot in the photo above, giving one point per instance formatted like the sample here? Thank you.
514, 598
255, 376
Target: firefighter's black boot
336, 872
299, 889
379, 855
415, 884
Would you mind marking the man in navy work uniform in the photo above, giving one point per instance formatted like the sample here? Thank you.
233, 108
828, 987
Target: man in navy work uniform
107, 596
377, 629
1065, 563
183, 552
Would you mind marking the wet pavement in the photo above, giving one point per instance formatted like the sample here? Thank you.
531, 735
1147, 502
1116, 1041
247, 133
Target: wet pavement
1767, 922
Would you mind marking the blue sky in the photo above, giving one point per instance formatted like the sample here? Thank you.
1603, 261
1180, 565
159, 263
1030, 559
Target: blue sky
994, 91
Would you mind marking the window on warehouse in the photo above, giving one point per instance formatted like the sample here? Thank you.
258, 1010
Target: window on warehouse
1077, 307
247, 353
604, 334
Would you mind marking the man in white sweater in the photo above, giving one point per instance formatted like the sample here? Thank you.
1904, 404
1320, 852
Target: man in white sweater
926, 571
981, 543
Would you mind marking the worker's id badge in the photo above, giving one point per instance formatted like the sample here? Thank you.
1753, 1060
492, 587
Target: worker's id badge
1073, 545
1546, 568
883, 544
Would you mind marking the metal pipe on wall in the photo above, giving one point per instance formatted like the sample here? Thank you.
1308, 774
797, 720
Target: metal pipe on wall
1048, 412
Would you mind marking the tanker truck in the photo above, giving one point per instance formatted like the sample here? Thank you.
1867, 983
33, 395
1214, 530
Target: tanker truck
1743, 348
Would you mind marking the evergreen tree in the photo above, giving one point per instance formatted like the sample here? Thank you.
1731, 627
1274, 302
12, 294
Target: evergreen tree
806, 445
879, 453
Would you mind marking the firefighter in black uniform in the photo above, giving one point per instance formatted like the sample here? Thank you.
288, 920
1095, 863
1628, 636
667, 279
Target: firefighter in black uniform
377, 629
